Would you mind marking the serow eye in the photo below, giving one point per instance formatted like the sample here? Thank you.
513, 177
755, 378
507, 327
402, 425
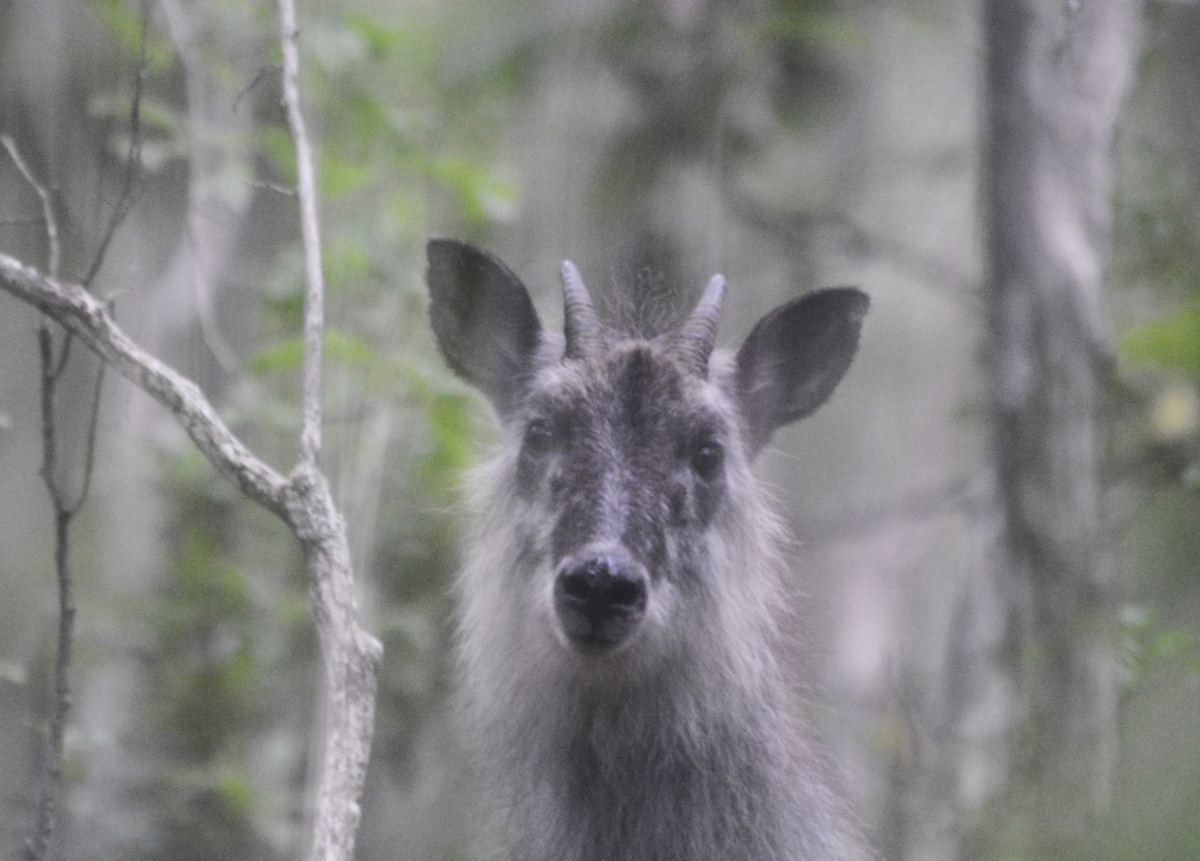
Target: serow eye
707, 458
539, 437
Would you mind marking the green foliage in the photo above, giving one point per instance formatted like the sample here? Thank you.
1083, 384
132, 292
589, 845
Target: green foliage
1156, 227
1146, 645
341, 176
481, 195
1157, 252
399, 147
216, 647
819, 25
438, 468
276, 145
338, 346
162, 138
386, 145
1173, 342
124, 22
235, 791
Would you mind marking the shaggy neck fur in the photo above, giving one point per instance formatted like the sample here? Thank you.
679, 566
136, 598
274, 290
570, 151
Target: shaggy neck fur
692, 756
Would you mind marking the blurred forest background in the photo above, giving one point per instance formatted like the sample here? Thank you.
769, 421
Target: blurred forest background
786, 143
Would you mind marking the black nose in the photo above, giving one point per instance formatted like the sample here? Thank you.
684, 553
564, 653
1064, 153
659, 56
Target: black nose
600, 600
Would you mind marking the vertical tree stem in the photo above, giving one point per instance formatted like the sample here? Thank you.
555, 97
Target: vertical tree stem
351, 656
45, 819
314, 287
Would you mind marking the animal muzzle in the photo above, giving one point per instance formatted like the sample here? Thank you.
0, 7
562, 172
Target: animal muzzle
600, 598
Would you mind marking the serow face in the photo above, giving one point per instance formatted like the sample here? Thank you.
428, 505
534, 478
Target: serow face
624, 444
626, 461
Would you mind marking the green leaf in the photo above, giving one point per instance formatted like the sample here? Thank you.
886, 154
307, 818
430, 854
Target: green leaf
346, 260
819, 27
339, 346
339, 176
1173, 342
481, 195
367, 121
379, 38
288, 355
276, 144
449, 430
1146, 644
125, 25
235, 790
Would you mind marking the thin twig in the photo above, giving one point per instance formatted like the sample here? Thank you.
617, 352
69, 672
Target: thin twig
88, 318
273, 187
89, 444
259, 76
131, 183
303, 501
45, 818
350, 654
48, 218
314, 290
64, 355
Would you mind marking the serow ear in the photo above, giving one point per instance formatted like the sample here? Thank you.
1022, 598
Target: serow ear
794, 358
483, 319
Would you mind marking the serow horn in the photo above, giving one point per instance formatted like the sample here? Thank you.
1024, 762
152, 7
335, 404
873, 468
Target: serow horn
695, 339
581, 326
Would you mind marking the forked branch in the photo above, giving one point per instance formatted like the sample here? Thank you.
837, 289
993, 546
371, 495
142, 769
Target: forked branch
351, 655
303, 500
65, 508
85, 316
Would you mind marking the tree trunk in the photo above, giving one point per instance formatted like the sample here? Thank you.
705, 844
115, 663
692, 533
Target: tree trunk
1056, 74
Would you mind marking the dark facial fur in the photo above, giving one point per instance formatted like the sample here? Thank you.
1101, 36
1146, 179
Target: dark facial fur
626, 461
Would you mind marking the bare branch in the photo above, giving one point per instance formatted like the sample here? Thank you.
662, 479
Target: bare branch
303, 500
47, 204
314, 291
351, 655
259, 76
351, 658
133, 161
45, 819
87, 317
89, 445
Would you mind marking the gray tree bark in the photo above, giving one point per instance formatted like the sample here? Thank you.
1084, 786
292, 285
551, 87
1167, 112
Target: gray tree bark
1041, 631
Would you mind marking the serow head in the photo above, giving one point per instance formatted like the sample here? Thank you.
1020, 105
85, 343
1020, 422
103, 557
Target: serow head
626, 454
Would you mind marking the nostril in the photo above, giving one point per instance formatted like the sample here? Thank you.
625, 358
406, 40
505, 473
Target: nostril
627, 593
576, 585
602, 585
